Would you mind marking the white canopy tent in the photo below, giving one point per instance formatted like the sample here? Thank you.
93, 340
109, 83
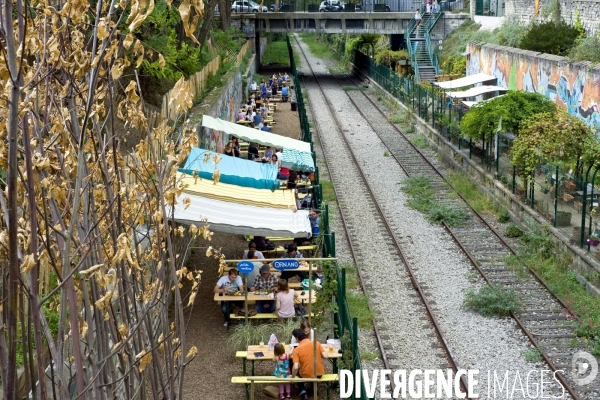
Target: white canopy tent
476, 91
466, 81
255, 135
231, 217
470, 104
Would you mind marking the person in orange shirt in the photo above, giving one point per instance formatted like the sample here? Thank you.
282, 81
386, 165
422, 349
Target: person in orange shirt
303, 358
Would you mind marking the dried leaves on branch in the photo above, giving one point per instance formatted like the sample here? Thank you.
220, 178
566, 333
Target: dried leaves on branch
92, 265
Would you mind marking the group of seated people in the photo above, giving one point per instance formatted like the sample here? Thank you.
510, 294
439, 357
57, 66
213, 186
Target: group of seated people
258, 116
262, 279
276, 83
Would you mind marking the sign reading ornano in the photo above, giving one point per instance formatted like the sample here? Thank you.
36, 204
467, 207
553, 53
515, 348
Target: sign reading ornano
284, 264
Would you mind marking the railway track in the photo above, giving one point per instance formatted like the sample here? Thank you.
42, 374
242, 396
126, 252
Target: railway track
546, 320
384, 241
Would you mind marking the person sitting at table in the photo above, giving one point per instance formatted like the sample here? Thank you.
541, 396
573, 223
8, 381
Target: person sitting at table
285, 92
253, 86
264, 108
265, 281
284, 303
293, 252
253, 151
304, 360
228, 285
315, 220
251, 255
305, 326
256, 119
265, 128
292, 180
236, 145
252, 247
229, 150
274, 160
261, 242
268, 153
284, 173
241, 115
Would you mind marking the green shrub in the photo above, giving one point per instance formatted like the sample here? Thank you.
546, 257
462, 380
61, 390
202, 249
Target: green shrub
550, 37
420, 141
503, 216
590, 330
513, 231
492, 300
252, 334
532, 355
443, 213
586, 49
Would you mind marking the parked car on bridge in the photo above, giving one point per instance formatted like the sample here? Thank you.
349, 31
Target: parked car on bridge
247, 6
331, 6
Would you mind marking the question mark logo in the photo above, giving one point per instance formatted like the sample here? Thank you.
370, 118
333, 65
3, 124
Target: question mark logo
581, 368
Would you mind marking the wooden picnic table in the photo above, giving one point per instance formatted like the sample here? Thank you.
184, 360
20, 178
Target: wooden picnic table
253, 296
332, 353
302, 268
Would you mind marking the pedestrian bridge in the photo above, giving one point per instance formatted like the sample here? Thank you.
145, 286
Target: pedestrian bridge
323, 22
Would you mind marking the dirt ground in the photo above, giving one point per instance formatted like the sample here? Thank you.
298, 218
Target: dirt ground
209, 375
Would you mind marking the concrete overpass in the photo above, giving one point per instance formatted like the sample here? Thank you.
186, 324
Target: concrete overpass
387, 23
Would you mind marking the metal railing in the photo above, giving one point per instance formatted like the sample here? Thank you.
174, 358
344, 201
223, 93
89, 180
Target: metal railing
567, 199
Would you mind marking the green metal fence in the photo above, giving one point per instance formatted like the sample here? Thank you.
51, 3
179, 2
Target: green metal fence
568, 198
346, 326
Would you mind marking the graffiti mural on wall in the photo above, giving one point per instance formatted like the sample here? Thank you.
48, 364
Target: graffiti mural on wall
575, 89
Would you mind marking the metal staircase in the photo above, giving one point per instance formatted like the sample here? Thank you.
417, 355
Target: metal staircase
418, 42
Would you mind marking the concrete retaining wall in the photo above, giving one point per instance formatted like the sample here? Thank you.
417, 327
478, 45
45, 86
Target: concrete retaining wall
582, 264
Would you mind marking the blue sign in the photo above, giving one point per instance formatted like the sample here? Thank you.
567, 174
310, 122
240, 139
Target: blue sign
285, 264
245, 267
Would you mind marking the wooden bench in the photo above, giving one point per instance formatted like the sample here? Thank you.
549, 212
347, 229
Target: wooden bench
271, 380
260, 316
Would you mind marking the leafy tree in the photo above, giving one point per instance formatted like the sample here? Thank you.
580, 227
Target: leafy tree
554, 136
550, 37
481, 121
389, 57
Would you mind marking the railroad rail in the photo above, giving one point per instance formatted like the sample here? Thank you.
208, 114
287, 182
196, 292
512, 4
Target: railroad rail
391, 239
545, 319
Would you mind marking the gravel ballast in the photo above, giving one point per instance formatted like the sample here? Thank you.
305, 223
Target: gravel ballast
485, 344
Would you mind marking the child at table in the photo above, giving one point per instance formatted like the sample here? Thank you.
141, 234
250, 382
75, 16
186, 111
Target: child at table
282, 370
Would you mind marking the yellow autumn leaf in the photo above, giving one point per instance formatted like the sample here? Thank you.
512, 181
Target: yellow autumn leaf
127, 42
185, 10
144, 358
192, 353
102, 29
161, 60
216, 176
28, 264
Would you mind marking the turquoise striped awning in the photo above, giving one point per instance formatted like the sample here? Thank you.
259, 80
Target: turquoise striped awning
233, 170
297, 160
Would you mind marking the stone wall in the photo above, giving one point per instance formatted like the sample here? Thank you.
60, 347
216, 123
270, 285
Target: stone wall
224, 104
589, 12
574, 87
446, 24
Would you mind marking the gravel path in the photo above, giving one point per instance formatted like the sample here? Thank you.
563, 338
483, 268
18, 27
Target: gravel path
486, 344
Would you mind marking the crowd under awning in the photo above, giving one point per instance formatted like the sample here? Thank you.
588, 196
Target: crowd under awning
299, 153
476, 91
466, 81
194, 185
232, 170
232, 217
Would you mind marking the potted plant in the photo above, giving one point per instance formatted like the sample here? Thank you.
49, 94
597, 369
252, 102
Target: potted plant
563, 218
593, 240
546, 189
